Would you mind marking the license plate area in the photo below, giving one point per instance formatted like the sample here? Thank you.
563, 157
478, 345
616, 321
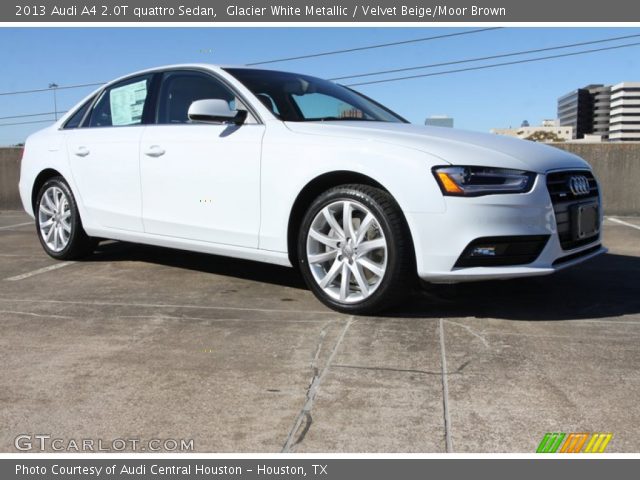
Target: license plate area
585, 220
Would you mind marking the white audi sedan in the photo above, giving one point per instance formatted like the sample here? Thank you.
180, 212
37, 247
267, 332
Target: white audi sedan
294, 170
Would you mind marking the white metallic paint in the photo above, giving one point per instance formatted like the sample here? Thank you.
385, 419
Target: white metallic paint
250, 177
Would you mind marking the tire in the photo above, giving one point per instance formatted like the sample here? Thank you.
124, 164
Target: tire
374, 256
58, 222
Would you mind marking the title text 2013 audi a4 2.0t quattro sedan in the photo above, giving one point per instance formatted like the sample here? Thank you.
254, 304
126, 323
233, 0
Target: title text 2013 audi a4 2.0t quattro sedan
298, 171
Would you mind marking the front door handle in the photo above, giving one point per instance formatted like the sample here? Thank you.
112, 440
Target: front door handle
154, 151
82, 151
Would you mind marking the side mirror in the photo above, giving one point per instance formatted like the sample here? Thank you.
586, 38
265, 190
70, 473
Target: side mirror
215, 111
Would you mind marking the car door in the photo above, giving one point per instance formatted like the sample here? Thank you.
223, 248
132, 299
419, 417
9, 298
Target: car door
104, 154
200, 181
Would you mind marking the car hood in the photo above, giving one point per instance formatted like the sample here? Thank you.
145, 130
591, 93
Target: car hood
453, 146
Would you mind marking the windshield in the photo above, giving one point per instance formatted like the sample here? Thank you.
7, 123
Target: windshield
300, 98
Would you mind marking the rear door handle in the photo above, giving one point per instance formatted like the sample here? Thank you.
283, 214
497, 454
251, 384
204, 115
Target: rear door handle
154, 151
82, 151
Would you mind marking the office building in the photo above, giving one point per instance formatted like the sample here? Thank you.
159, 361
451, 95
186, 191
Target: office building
605, 112
600, 95
624, 120
575, 110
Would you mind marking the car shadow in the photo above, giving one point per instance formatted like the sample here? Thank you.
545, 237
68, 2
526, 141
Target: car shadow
112, 251
607, 286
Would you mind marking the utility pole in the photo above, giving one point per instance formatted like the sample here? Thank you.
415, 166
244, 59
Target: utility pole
54, 86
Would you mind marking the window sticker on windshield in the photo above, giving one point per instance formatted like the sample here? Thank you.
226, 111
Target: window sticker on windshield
127, 103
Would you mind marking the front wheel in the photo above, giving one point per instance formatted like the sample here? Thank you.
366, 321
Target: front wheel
58, 222
354, 249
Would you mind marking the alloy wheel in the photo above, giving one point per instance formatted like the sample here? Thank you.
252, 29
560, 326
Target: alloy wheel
54, 219
347, 251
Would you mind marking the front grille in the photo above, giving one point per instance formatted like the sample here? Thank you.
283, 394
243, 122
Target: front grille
576, 255
563, 199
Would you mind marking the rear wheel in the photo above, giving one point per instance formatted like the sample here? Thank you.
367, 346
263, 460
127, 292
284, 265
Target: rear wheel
354, 249
58, 222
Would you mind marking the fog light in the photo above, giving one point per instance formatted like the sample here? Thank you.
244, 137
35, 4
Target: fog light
502, 251
484, 252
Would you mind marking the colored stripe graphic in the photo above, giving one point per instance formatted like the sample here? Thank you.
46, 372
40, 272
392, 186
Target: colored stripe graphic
573, 442
543, 443
598, 442
581, 442
568, 443
550, 443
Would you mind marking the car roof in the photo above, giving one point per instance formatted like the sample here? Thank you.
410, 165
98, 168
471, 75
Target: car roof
207, 66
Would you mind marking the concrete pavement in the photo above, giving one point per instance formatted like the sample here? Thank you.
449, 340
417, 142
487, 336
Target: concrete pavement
142, 342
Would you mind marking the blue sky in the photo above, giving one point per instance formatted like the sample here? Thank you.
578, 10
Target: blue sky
480, 100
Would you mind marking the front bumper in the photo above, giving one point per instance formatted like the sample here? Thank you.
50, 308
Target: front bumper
440, 238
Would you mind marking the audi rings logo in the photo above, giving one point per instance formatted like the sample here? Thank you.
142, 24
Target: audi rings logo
579, 185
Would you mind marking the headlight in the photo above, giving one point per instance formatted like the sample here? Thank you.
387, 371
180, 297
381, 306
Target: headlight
475, 181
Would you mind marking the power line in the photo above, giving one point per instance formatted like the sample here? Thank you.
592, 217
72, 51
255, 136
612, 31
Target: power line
20, 92
321, 54
446, 72
490, 57
369, 47
382, 45
29, 115
26, 123
494, 65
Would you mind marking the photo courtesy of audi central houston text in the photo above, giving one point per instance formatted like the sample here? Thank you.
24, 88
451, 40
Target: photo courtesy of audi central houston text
306, 173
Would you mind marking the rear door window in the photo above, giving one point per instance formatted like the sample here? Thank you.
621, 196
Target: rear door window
122, 104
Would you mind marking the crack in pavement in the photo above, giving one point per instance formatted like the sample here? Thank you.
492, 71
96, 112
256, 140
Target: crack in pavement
98, 316
32, 314
312, 391
445, 391
308, 421
457, 371
471, 331
160, 305
316, 355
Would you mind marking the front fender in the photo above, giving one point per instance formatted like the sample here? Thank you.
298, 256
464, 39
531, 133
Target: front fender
289, 164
